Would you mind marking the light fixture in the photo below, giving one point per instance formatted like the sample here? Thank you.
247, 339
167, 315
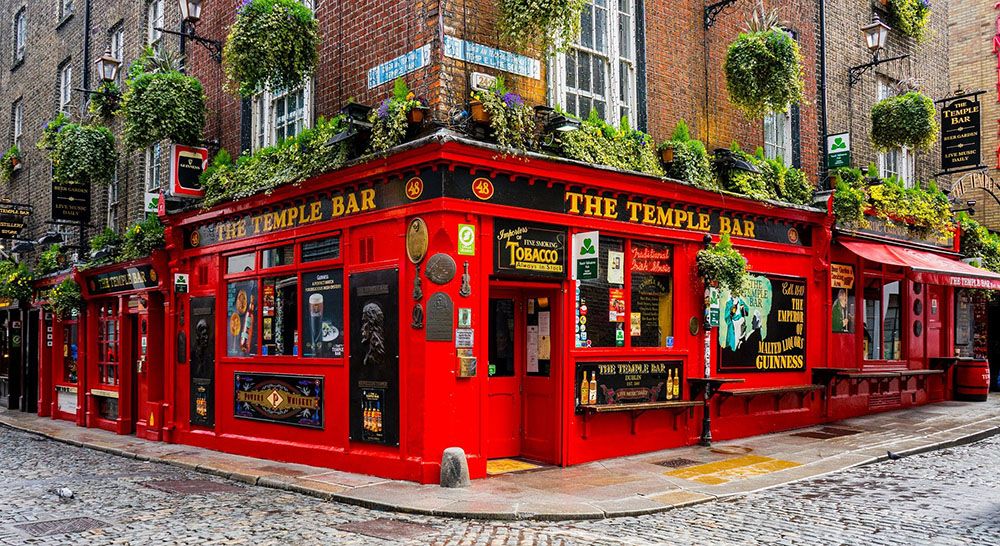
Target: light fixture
50, 238
190, 15
22, 247
190, 10
101, 253
561, 124
107, 66
875, 33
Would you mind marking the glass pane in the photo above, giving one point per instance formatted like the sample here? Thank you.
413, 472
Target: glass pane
279, 317
873, 319
323, 314
571, 68
601, 303
624, 83
240, 263
322, 249
587, 27
585, 107
70, 352
600, 72
241, 335
599, 106
501, 338
651, 321
893, 322
583, 71
601, 30
624, 7
539, 362
275, 257
571, 104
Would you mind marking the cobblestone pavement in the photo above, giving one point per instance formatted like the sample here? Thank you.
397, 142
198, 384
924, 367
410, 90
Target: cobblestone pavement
945, 497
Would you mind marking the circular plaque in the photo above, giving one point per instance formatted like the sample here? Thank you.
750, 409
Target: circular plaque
693, 325
416, 240
440, 268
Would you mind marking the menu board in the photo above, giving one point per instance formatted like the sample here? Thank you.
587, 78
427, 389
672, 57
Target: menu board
628, 382
241, 335
323, 314
763, 329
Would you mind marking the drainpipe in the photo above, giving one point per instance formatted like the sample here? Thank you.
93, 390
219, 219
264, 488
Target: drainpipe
822, 91
86, 97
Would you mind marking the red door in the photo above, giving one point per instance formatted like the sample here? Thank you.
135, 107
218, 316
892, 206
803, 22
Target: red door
935, 320
540, 416
505, 368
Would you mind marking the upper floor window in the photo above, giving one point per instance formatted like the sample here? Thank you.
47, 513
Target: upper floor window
65, 9
281, 114
898, 162
154, 158
65, 87
598, 71
17, 113
778, 137
20, 34
113, 203
117, 44
154, 21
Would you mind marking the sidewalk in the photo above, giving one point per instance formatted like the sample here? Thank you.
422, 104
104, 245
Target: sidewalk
616, 487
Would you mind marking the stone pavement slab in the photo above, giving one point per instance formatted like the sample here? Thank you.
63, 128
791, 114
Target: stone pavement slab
626, 486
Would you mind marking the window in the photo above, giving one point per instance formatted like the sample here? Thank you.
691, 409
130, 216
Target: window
602, 301
883, 320
108, 342
20, 35
117, 44
154, 21
281, 114
65, 87
112, 221
154, 160
65, 9
651, 320
778, 137
18, 121
598, 70
900, 161
70, 351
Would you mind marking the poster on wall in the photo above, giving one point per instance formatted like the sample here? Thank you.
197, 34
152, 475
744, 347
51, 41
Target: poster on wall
374, 375
241, 335
284, 399
323, 314
525, 248
842, 284
763, 329
627, 382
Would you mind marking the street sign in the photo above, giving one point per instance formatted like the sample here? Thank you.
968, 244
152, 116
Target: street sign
586, 255
838, 150
960, 135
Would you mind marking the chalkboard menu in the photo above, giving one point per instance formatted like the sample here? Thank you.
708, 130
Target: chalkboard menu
629, 382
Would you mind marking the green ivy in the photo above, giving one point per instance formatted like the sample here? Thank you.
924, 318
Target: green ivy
7, 163
540, 23
690, 162
923, 209
722, 264
141, 239
221, 160
292, 161
978, 242
849, 204
80, 154
623, 148
108, 238
910, 17
50, 134
512, 122
774, 181
908, 120
64, 298
272, 45
15, 280
49, 260
105, 102
163, 105
389, 120
764, 72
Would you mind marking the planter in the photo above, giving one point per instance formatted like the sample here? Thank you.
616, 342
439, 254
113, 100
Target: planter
416, 115
667, 155
479, 114
15, 164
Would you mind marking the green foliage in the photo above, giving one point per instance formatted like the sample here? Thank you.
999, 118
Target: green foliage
849, 204
221, 160
162, 105
512, 122
49, 260
15, 280
910, 17
908, 120
389, 121
723, 265
924, 210
272, 45
292, 161
141, 239
978, 242
774, 181
623, 148
81, 154
690, 162
12, 155
764, 72
681, 132
107, 238
540, 23
104, 104
64, 298
50, 134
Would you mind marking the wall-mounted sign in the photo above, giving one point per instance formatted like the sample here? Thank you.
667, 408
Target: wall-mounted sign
628, 382
585, 255
70, 202
764, 328
123, 280
181, 283
842, 275
323, 314
285, 399
471, 52
416, 240
374, 357
400, 66
525, 248
960, 134
186, 165
842, 287
466, 239
13, 218
838, 150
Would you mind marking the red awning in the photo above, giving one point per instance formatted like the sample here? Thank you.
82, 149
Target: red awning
926, 267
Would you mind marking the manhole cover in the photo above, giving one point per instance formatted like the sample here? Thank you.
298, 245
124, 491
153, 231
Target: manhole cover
826, 433
60, 526
192, 487
389, 529
731, 450
677, 463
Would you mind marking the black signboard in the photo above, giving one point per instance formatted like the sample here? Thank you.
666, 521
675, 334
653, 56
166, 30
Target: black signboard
123, 280
202, 382
529, 249
763, 329
960, 134
628, 382
374, 357
13, 218
70, 202
323, 314
285, 399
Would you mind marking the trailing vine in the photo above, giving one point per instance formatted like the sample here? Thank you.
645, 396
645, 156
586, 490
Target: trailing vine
15, 280
923, 209
161, 103
389, 120
910, 17
541, 23
105, 102
272, 45
907, 120
64, 298
764, 68
622, 148
722, 264
512, 122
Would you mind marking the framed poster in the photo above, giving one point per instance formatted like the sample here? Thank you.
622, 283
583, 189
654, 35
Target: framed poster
323, 314
763, 329
529, 249
283, 399
241, 335
374, 358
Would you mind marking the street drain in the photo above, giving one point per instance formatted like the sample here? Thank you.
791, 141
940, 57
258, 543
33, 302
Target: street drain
60, 526
731, 450
389, 529
677, 463
826, 433
191, 487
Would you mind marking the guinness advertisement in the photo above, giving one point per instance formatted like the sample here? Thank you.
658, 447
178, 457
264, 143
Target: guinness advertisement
285, 399
13, 218
374, 357
70, 202
627, 382
763, 329
529, 249
123, 280
960, 134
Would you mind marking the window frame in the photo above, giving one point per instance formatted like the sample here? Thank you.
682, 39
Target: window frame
154, 169
65, 86
64, 9
155, 18
19, 34
116, 43
114, 198
771, 149
883, 277
17, 121
263, 122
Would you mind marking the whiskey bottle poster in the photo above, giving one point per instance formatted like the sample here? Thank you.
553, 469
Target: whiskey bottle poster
763, 329
374, 356
628, 382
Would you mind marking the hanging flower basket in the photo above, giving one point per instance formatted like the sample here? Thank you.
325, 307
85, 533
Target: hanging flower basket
416, 115
163, 106
542, 24
667, 153
272, 45
84, 154
723, 265
10, 163
15, 280
479, 114
907, 120
396, 118
764, 70
64, 298
910, 17
105, 102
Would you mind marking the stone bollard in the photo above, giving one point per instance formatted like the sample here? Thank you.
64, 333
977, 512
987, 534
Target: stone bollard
454, 468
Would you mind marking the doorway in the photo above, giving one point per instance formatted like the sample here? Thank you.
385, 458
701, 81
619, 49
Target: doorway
523, 375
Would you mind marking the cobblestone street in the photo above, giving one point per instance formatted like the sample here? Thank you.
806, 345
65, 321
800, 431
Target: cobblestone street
950, 496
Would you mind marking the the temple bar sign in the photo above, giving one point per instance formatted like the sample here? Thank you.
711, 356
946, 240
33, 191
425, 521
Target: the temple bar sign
960, 134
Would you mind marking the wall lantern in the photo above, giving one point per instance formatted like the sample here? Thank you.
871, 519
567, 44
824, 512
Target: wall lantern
876, 33
107, 66
190, 11
190, 15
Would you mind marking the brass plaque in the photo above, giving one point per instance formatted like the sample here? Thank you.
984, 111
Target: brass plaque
440, 324
441, 268
416, 240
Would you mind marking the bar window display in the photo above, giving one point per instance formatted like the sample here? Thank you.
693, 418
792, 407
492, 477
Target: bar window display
279, 313
651, 316
70, 351
882, 319
323, 313
108, 344
601, 302
241, 337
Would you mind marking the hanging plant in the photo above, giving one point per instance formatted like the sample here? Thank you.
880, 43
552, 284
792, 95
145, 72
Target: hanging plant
161, 103
272, 45
540, 23
978, 242
49, 260
84, 154
910, 17
511, 121
15, 280
105, 102
764, 68
723, 265
10, 162
141, 239
50, 133
686, 159
624, 148
907, 120
391, 120
64, 298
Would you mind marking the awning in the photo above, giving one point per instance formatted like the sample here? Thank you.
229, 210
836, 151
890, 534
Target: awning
926, 267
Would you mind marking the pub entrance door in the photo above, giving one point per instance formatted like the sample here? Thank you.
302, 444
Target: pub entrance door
523, 374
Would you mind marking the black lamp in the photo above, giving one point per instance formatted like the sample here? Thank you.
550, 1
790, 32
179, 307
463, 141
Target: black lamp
22, 247
50, 238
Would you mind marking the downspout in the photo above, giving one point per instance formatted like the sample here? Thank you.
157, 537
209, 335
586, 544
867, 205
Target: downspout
86, 97
822, 93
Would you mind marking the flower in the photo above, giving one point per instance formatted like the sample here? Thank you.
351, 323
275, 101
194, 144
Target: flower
383, 109
512, 99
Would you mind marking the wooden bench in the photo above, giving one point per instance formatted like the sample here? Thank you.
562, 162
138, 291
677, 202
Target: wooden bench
778, 393
920, 375
636, 409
